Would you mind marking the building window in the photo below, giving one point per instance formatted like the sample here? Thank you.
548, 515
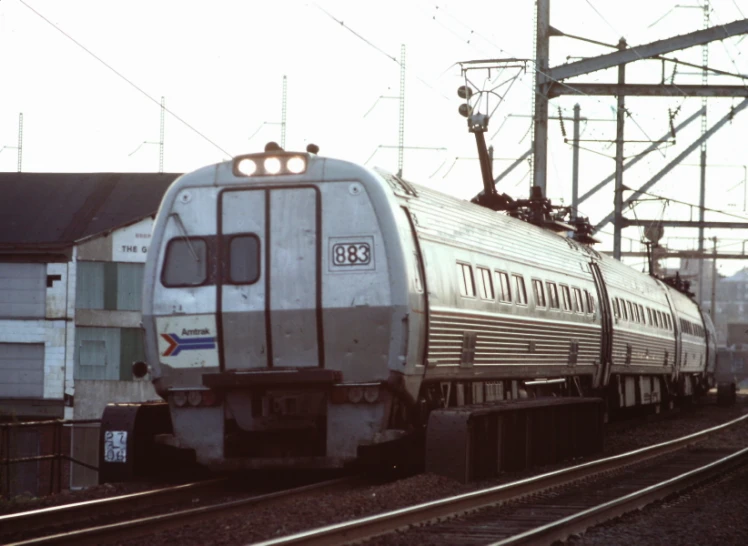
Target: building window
467, 284
552, 295
109, 285
92, 352
23, 290
244, 259
537, 288
519, 286
485, 286
186, 263
502, 282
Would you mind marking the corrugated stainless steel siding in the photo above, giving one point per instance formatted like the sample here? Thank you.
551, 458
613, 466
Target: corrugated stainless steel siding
504, 340
646, 350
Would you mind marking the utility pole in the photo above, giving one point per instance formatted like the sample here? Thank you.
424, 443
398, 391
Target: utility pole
618, 196
401, 127
702, 185
714, 278
283, 113
575, 165
540, 121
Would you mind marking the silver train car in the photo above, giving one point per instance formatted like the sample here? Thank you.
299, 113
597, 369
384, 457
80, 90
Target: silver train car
298, 309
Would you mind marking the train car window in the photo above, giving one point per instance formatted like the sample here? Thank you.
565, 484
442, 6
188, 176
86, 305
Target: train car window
467, 284
630, 311
485, 286
539, 292
578, 300
616, 308
186, 263
519, 287
624, 312
244, 259
552, 295
642, 317
502, 285
590, 302
637, 315
566, 295
649, 316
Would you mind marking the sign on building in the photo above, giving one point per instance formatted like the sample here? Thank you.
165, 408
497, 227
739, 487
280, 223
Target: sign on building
130, 244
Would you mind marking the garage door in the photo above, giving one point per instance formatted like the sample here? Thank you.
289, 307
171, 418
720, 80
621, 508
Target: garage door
22, 290
21, 370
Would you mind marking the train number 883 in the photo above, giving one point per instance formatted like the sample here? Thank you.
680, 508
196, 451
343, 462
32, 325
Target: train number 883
351, 254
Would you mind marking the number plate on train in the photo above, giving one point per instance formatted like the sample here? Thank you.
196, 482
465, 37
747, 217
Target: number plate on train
115, 446
354, 253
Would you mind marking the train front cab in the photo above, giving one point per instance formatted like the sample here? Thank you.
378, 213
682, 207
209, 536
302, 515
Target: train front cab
272, 322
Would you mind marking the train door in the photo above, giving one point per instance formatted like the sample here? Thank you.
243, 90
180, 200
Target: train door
606, 341
270, 278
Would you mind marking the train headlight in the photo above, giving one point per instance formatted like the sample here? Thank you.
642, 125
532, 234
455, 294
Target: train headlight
247, 167
179, 398
296, 165
355, 394
194, 398
371, 394
272, 165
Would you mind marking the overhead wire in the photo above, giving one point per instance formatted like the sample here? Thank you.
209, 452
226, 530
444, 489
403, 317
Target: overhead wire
377, 48
130, 82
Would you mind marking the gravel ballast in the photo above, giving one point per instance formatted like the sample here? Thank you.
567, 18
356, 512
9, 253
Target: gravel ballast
311, 511
315, 510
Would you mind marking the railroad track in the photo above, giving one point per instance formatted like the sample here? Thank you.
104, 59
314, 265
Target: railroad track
553, 505
82, 513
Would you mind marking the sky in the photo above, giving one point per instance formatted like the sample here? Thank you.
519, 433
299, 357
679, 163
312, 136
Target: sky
88, 76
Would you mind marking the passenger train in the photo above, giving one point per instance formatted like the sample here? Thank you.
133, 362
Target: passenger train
299, 308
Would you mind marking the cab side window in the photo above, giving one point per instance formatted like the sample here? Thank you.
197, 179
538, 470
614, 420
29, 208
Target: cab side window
186, 262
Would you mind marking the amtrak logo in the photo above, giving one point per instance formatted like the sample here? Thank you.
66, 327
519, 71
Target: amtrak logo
178, 344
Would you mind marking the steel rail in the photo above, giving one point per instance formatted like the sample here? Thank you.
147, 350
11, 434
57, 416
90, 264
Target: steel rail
387, 522
581, 521
67, 513
148, 525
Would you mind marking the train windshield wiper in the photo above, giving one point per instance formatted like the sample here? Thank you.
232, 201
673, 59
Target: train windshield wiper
185, 236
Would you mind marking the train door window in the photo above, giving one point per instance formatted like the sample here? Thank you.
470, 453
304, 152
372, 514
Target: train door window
519, 287
617, 308
465, 276
538, 292
566, 295
485, 286
244, 259
552, 295
186, 262
578, 300
502, 285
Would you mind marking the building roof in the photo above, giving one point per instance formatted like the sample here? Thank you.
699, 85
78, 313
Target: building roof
53, 210
740, 276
